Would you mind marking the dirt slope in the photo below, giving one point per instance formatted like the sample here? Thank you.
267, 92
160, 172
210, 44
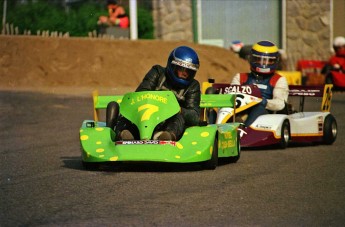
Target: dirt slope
39, 62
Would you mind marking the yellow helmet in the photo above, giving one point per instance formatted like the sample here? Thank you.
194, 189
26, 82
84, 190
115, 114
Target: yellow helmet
264, 57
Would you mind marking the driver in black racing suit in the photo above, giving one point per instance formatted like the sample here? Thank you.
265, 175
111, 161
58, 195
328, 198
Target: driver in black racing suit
178, 77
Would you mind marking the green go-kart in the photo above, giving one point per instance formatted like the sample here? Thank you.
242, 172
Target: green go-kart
203, 144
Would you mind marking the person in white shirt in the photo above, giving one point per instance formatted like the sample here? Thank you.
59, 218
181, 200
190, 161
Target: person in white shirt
264, 58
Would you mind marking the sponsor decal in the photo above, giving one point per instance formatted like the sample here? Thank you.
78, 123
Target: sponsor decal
226, 144
145, 142
305, 91
237, 89
262, 86
151, 96
185, 64
266, 127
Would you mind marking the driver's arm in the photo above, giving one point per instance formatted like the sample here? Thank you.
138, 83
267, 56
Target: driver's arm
236, 80
280, 95
150, 81
190, 108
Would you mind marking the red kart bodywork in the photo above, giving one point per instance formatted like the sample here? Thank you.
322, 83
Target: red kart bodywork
338, 79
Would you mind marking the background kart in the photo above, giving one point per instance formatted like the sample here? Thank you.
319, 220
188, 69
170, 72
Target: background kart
337, 78
317, 73
283, 127
204, 143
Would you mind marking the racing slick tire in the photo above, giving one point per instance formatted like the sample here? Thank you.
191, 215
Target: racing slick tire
112, 114
285, 134
213, 162
210, 112
211, 116
330, 130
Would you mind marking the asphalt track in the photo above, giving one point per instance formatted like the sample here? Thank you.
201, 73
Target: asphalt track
42, 181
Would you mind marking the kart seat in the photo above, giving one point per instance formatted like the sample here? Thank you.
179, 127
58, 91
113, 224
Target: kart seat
288, 109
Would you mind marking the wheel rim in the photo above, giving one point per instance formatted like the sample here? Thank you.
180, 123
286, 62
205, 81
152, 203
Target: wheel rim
334, 130
286, 134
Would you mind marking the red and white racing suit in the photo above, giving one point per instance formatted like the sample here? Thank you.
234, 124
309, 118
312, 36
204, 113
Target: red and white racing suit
274, 88
274, 91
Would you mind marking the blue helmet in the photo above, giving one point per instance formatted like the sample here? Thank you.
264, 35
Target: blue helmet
182, 59
264, 57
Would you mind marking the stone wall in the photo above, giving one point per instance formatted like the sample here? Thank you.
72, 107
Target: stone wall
307, 27
173, 19
307, 30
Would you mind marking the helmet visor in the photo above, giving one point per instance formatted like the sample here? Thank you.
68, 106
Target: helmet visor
263, 60
183, 73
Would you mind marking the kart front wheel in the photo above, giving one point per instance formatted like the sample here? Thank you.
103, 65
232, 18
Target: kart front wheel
285, 134
329, 130
213, 162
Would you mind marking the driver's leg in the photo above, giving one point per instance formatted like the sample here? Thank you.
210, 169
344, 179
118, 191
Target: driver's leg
255, 113
126, 130
172, 129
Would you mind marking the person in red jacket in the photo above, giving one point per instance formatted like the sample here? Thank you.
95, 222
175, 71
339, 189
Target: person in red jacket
117, 16
337, 61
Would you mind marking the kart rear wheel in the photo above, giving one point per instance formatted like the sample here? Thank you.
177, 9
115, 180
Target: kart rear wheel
330, 130
211, 113
285, 134
211, 116
213, 162
112, 114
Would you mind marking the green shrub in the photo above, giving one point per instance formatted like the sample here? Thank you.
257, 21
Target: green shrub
38, 16
84, 19
78, 21
145, 24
